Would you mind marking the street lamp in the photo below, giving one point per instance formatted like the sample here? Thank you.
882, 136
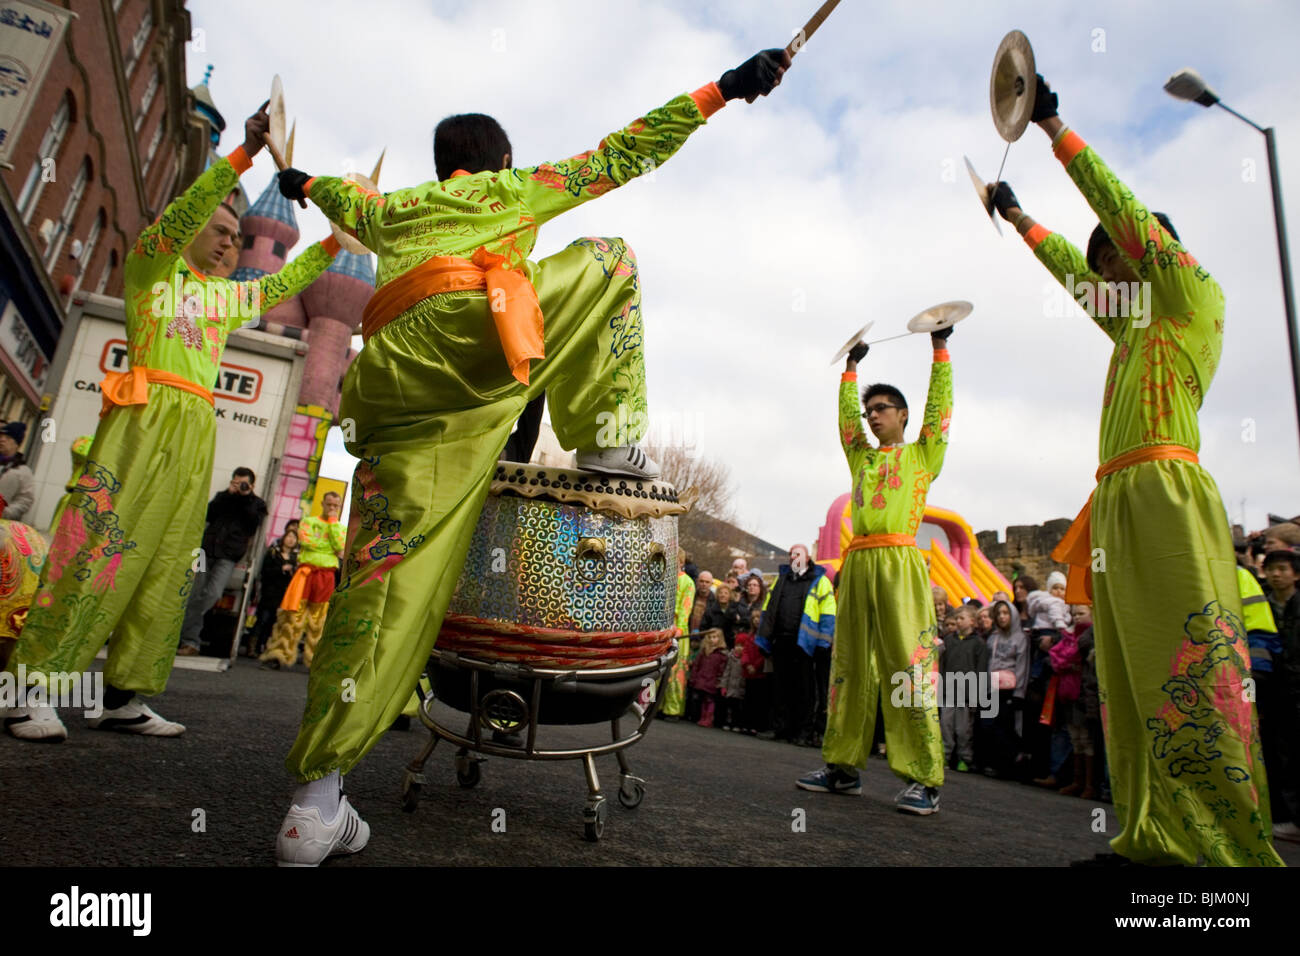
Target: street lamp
1189, 85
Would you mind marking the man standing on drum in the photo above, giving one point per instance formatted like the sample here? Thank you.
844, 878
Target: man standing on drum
464, 331
886, 625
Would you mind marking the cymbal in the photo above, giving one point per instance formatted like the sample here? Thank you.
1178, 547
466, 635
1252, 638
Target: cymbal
1012, 86
939, 316
854, 339
348, 241
275, 110
985, 194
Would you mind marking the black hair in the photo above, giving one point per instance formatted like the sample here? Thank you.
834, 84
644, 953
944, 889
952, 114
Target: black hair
871, 391
242, 472
473, 142
1283, 557
1099, 240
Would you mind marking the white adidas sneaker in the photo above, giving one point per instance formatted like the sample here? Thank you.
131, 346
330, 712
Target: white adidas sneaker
35, 723
306, 840
135, 717
627, 460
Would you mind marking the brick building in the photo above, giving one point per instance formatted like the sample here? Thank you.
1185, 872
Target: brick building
106, 136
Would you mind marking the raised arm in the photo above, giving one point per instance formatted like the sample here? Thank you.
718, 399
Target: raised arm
932, 444
347, 204
643, 145
181, 221
262, 294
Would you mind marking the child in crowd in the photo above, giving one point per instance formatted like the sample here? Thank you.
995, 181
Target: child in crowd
758, 702
732, 688
963, 663
1067, 676
1085, 716
984, 623
703, 680
1009, 676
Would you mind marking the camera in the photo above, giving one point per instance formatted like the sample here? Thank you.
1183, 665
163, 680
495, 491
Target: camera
245, 487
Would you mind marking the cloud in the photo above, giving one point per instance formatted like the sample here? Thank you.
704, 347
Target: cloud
781, 227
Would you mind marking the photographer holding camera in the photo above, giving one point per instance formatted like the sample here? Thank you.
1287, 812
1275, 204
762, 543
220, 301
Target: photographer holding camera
234, 516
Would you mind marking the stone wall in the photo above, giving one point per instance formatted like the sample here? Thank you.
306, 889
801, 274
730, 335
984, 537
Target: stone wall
1027, 545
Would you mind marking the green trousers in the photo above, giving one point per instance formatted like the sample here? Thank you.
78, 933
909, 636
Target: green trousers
432, 403
883, 653
1182, 740
123, 548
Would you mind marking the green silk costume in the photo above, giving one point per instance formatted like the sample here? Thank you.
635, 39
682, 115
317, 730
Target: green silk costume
122, 550
886, 626
674, 701
1182, 740
433, 401
320, 541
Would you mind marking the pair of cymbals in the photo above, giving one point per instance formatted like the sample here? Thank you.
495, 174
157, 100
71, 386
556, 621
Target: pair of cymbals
934, 319
1013, 85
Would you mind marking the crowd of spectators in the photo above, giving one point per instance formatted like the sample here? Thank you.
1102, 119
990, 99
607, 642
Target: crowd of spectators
1028, 653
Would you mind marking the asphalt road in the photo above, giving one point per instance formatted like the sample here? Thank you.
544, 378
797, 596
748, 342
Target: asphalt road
713, 798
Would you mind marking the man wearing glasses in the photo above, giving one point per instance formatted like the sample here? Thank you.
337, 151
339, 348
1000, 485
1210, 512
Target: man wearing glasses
886, 620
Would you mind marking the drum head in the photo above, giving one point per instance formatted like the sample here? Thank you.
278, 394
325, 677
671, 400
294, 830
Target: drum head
854, 339
940, 316
1012, 86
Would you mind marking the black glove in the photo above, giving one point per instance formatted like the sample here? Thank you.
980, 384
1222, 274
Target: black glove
756, 77
1004, 199
291, 183
858, 352
1044, 101
942, 334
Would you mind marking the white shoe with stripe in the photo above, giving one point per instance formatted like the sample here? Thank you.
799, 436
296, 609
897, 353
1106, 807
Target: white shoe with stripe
306, 840
627, 460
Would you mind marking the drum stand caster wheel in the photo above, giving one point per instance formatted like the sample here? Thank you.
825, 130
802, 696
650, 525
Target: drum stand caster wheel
631, 791
593, 818
411, 784
467, 771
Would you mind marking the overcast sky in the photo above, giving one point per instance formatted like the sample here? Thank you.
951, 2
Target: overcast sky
781, 227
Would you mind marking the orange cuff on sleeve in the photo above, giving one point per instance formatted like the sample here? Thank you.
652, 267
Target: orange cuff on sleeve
306, 187
1069, 147
849, 377
709, 99
239, 159
1036, 234
331, 245
941, 355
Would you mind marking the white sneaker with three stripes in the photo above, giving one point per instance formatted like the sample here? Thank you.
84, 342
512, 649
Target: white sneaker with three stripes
627, 460
306, 840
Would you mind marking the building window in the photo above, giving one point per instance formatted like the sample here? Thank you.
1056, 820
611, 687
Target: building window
69, 215
153, 146
49, 149
139, 41
248, 240
278, 250
88, 248
146, 101
109, 266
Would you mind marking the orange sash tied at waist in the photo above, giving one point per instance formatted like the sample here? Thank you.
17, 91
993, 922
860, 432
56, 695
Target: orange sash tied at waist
1075, 548
862, 542
511, 297
132, 387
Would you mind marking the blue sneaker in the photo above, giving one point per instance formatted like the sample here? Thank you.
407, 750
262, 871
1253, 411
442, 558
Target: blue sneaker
918, 799
831, 780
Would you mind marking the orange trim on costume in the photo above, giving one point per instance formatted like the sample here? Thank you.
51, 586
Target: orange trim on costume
306, 187
511, 299
331, 245
941, 355
709, 99
1036, 234
1075, 548
1069, 147
849, 377
132, 387
460, 172
863, 542
240, 160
